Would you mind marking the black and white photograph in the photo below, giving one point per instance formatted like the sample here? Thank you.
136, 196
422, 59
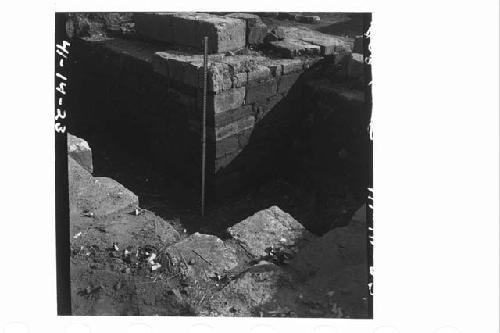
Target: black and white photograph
219, 164
253, 167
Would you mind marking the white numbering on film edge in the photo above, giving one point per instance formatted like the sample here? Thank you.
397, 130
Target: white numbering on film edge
62, 51
60, 114
59, 128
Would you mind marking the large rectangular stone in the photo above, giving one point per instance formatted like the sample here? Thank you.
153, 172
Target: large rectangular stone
179, 67
328, 44
291, 65
227, 145
255, 29
154, 26
258, 74
189, 29
261, 91
291, 48
225, 118
218, 77
286, 48
188, 69
234, 128
226, 100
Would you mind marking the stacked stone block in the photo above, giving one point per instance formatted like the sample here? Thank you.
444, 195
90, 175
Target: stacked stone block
242, 91
188, 29
291, 42
156, 91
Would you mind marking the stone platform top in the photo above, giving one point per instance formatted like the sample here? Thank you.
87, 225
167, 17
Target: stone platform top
293, 41
189, 29
224, 72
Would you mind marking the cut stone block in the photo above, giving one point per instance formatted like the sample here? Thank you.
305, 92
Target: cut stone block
80, 151
188, 69
227, 145
227, 72
291, 65
287, 81
268, 228
260, 73
255, 29
226, 100
261, 92
228, 117
289, 48
209, 255
308, 18
328, 44
234, 128
101, 196
189, 29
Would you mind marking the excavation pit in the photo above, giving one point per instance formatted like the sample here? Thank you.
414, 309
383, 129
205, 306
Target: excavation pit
264, 111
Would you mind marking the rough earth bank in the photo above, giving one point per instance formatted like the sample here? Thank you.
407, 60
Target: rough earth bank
127, 261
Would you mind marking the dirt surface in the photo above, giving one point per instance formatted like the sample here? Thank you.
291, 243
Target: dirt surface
129, 261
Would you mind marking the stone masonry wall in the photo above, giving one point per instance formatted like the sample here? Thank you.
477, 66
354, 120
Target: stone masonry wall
117, 90
152, 94
244, 90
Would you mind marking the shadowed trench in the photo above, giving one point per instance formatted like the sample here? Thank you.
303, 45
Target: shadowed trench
309, 153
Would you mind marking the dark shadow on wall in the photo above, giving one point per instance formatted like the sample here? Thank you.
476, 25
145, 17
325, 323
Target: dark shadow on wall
308, 154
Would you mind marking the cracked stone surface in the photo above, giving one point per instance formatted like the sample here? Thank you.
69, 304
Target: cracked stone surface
268, 228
